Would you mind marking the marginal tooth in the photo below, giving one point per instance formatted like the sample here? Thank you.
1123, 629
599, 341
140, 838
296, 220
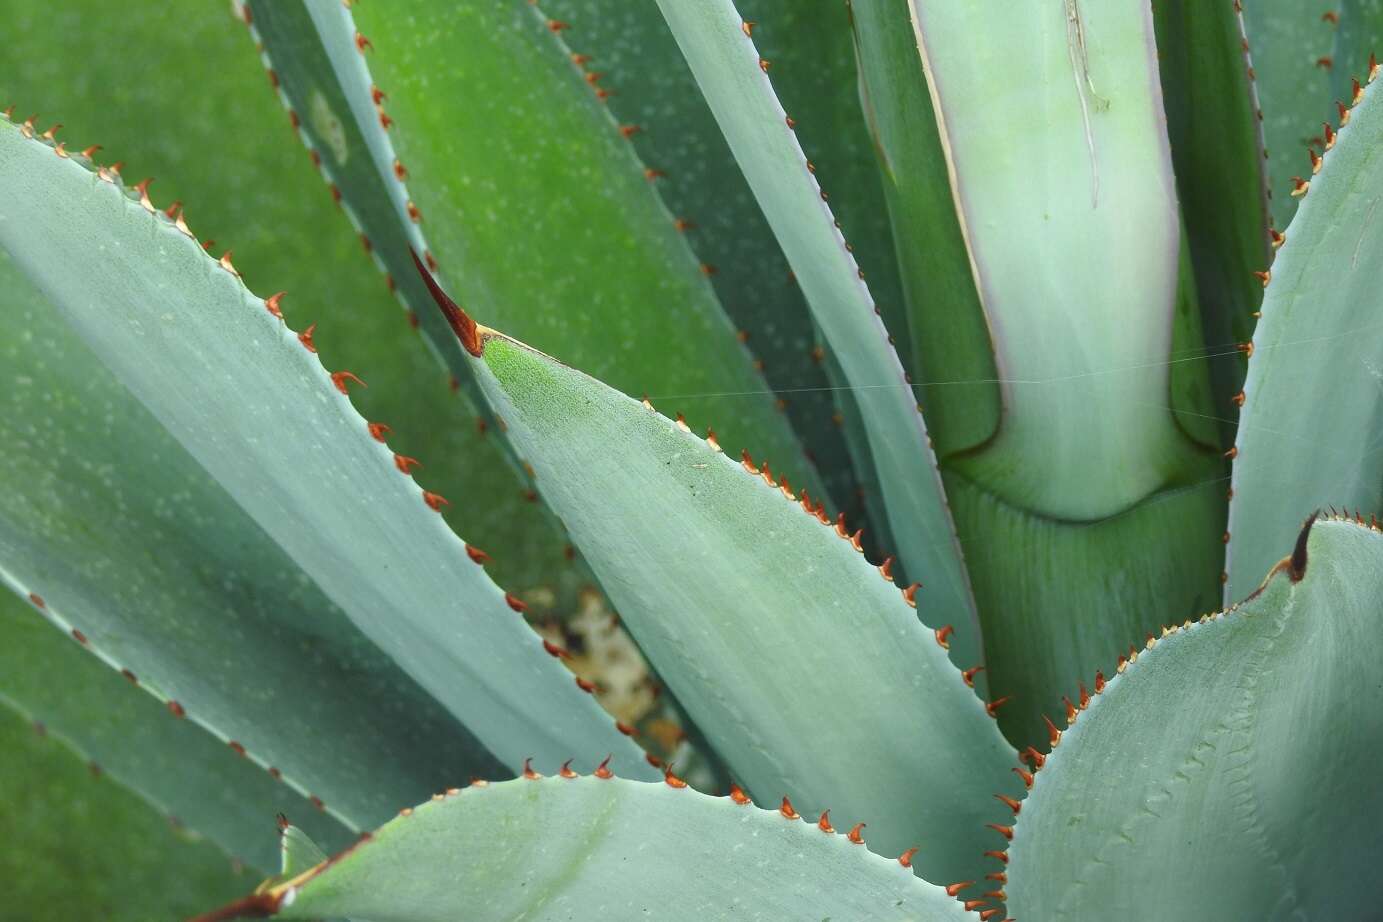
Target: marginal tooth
785, 808
943, 636
340, 379
143, 190
969, 675
854, 835
993, 706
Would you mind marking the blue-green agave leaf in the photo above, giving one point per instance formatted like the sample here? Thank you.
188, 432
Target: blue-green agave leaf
1227, 771
259, 193
534, 204
787, 648
598, 847
717, 43
1311, 427
250, 401
107, 520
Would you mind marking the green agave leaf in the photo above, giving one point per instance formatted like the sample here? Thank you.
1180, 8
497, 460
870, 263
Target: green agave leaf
156, 567
251, 403
1313, 401
1217, 151
792, 653
580, 847
509, 136
945, 325
811, 49
181, 770
716, 43
1229, 771
640, 75
258, 192
134, 866
317, 74
1290, 46
1091, 460
1358, 39
1072, 346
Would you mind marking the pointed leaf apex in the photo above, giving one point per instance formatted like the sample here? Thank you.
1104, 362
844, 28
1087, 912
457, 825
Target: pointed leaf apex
1298, 561
462, 325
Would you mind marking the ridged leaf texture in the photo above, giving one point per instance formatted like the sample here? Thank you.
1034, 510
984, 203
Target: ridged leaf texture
1227, 770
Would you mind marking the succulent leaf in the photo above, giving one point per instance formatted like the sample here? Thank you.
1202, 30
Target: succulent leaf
633, 66
717, 44
1217, 150
124, 541
790, 651
945, 327
249, 400
1358, 35
1095, 437
309, 50
1228, 770
63, 812
1290, 48
245, 183
542, 218
600, 847
184, 772
1078, 273
1313, 400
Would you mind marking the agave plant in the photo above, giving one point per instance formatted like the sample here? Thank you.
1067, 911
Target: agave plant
962, 494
